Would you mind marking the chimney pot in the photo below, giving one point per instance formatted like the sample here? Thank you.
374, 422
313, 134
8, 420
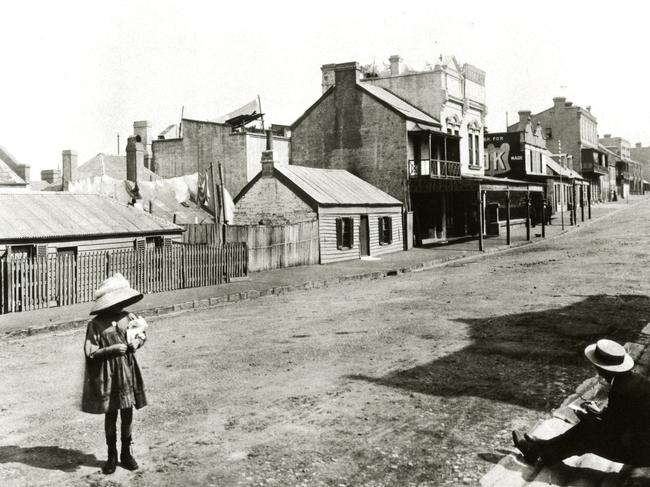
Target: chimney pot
395, 65
269, 140
327, 71
559, 101
638, 145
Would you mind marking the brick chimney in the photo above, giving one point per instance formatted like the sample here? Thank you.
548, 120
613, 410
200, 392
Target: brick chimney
395, 65
267, 156
134, 159
559, 102
347, 73
638, 145
51, 175
142, 133
69, 164
524, 119
328, 76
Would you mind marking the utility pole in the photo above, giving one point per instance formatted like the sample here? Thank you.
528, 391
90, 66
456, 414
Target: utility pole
118, 143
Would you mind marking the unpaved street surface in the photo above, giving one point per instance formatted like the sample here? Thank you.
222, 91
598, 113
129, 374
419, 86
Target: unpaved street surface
411, 380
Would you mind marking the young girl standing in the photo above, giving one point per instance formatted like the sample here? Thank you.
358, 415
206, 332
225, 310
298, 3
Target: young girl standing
113, 382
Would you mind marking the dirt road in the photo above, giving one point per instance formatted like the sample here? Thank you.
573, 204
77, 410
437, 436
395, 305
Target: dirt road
412, 380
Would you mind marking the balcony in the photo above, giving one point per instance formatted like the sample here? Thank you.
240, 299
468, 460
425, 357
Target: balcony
434, 168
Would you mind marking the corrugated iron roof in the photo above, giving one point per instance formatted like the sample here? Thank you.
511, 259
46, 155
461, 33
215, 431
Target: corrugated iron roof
39, 215
331, 187
406, 109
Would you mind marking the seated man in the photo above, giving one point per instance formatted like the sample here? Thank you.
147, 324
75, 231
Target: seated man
621, 432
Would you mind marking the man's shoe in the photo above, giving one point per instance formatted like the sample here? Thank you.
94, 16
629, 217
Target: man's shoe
526, 445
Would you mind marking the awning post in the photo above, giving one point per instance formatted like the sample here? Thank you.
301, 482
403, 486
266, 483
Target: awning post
528, 215
582, 202
508, 217
480, 218
543, 216
589, 201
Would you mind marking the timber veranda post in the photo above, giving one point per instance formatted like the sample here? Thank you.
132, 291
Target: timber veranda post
508, 217
527, 215
544, 216
479, 202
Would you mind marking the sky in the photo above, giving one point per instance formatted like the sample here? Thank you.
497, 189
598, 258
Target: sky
76, 73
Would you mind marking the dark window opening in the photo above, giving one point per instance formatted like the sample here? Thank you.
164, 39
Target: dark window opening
344, 233
385, 230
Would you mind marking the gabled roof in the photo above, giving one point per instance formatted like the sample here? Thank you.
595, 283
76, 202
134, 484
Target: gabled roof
397, 104
113, 166
39, 215
8, 163
328, 187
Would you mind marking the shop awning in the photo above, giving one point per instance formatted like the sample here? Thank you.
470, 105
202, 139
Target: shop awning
468, 183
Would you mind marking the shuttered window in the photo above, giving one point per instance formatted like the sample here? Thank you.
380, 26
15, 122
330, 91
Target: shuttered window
344, 233
139, 244
385, 224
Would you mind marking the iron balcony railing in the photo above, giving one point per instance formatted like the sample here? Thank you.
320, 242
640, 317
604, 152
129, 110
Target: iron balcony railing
434, 168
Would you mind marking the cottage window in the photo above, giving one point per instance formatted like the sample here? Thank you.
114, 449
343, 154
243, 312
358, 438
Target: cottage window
154, 242
344, 233
385, 230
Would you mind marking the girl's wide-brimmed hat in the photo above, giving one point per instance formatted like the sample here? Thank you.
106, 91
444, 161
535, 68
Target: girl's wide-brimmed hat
113, 291
609, 355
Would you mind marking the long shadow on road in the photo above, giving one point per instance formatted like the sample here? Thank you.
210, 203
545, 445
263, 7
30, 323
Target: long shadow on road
48, 457
531, 359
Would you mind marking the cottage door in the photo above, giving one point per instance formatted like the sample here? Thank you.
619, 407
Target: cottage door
364, 236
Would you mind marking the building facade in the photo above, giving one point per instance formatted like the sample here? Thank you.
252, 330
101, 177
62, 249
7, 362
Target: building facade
573, 130
629, 176
354, 218
202, 143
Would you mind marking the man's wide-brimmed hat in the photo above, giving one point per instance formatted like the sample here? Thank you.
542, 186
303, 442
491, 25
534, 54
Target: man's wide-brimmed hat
609, 355
113, 291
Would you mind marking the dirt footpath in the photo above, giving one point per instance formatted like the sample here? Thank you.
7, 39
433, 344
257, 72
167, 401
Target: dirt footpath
411, 380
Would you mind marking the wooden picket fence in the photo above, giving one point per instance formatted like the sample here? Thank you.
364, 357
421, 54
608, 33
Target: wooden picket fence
29, 283
275, 246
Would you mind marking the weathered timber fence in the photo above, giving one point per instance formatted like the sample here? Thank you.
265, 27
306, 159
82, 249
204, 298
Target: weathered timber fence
275, 246
29, 283
202, 233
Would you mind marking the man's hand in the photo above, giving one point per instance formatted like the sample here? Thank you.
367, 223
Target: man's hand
133, 346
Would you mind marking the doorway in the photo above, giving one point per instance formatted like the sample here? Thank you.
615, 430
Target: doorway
364, 236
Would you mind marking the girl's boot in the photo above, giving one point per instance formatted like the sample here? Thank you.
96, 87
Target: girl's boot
126, 456
111, 462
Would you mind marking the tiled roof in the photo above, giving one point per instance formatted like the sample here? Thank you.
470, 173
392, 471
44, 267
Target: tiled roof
401, 106
331, 187
114, 166
40, 215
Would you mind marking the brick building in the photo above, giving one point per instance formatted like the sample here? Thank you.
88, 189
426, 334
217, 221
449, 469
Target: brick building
201, 143
642, 156
354, 218
400, 148
573, 130
451, 93
629, 176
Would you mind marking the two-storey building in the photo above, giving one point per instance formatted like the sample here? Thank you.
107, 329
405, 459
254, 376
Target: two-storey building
629, 177
407, 134
573, 130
